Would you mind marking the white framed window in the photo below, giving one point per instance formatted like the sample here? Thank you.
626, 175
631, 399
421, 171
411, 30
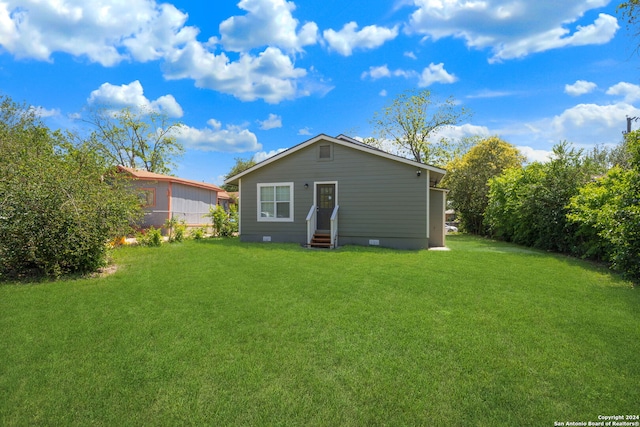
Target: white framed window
275, 202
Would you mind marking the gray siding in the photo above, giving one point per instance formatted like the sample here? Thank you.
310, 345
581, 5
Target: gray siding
379, 198
191, 203
155, 215
187, 203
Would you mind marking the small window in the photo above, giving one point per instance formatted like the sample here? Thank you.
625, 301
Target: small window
324, 152
147, 197
275, 202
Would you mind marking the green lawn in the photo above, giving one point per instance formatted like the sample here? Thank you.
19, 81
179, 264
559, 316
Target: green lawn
222, 333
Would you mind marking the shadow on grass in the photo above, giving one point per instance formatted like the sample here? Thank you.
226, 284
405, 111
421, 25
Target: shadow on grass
473, 243
37, 278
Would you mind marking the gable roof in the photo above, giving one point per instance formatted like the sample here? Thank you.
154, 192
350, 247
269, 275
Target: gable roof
341, 140
151, 176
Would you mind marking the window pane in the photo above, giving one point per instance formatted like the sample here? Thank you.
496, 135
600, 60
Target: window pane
267, 209
266, 194
282, 194
147, 198
283, 209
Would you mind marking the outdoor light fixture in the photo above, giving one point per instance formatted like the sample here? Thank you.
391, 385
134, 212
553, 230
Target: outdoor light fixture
306, 186
419, 172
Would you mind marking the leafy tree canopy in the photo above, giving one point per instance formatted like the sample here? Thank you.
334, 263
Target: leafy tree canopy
136, 138
240, 166
410, 121
468, 176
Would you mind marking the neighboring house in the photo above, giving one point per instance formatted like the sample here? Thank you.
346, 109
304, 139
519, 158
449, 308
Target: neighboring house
166, 197
337, 191
224, 200
450, 215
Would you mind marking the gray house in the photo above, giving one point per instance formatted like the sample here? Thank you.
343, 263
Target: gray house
330, 191
165, 197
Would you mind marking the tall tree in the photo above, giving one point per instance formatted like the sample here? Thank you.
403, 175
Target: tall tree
240, 166
410, 121
136, 138
468, 177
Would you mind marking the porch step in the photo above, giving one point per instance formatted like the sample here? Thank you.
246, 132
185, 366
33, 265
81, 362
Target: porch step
321, 240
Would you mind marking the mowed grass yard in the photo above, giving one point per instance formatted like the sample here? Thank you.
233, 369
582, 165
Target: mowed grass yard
217, 332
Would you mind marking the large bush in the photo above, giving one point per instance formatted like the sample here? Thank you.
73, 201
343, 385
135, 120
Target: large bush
59, 205
529, 206
225, 224
607, 213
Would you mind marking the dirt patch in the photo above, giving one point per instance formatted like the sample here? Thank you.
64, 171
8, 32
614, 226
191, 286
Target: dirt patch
105, 271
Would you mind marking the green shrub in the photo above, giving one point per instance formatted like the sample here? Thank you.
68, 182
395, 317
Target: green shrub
233, 219
151, 237
529, 206
180, 231
198, 233
223, 225
607, 213
176, 229
59, 204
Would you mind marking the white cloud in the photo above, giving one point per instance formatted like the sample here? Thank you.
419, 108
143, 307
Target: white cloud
383, 92
304, 131
430, 75
108, 32
410, 55
103, 31
132, 95
219, 181
535, 155
348, 38
267, 23
274, 121
630, 91
486, 93
271, 75
592, 123
376, 73
383, 71
512, 28
263, 155
585, 125
44, 112
580, 87
435, 74
457, 132
600, 32
232, 139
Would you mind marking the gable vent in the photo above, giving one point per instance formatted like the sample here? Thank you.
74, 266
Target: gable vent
325, 152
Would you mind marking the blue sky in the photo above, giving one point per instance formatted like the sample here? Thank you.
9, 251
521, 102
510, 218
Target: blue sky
248, 78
